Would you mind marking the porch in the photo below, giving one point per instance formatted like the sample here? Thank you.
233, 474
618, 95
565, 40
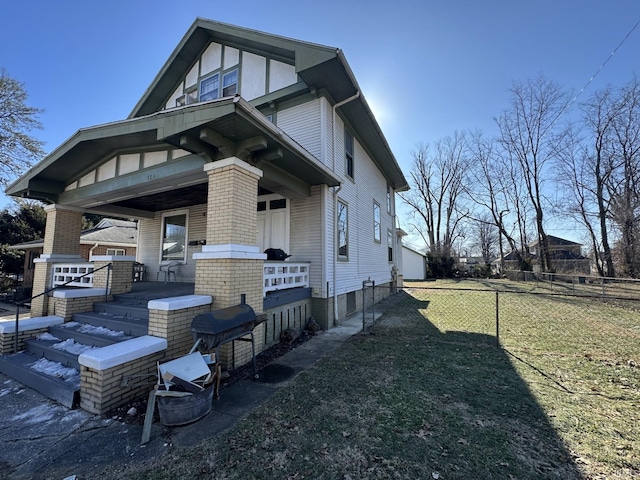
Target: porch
278, 279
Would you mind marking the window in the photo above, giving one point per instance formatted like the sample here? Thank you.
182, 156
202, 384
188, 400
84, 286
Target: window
377, 235
115, 251
348, 153
390, 244
209, 88
388, 198
230, 83
343, 231
174, 237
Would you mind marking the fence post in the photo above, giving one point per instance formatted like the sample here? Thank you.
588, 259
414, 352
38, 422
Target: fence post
497, 320
365, 283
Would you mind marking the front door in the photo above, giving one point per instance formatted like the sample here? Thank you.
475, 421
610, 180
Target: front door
273, 222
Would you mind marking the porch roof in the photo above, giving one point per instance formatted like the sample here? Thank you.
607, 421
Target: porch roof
209, 130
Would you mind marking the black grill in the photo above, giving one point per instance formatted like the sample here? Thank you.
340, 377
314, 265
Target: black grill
214, 329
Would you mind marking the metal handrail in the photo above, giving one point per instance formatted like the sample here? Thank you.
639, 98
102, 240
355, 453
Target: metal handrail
23, 302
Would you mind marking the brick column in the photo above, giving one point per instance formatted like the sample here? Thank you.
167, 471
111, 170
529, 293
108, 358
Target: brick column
230, 264
61, 245
120, 276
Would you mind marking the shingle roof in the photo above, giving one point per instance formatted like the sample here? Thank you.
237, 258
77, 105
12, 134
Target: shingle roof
109, 231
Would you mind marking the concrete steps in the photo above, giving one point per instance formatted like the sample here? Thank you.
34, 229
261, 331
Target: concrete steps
49, 363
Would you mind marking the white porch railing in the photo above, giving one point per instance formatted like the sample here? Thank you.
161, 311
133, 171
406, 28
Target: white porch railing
71, 272
282, 275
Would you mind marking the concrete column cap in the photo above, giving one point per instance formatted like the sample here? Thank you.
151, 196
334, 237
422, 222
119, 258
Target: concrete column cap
232, 161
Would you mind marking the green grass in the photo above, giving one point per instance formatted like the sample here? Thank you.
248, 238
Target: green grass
427, 394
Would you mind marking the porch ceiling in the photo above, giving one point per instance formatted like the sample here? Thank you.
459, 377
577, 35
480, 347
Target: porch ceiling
210, 131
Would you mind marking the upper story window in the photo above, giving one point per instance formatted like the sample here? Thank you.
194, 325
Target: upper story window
209, 87
230, 83
377, 235
348, 153
388, 198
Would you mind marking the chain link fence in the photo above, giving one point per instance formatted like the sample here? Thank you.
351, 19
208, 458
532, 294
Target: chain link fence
501, 315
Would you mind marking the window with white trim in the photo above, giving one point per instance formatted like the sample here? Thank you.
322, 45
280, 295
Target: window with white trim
348, 153
388, 198
174, 237
230, 83
343, 231
209, 87
377, 234
390, 244
115, 251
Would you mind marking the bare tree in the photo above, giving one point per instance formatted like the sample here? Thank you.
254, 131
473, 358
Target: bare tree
438, 180
529, 136
18, 150
485, 236
497, 191
624, 182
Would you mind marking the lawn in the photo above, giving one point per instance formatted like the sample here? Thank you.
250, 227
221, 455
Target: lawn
427, 394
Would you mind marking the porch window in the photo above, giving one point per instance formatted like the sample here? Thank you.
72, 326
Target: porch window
230, 83
115, 251
348, 153
209, 88
377, 234
343, 232
390, 244
174, 237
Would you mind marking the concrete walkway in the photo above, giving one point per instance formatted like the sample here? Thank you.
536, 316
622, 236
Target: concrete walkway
40, 439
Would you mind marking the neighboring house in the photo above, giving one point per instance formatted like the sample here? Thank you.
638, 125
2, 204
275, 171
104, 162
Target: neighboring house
414, 264
243, 141
109, 237
566, 257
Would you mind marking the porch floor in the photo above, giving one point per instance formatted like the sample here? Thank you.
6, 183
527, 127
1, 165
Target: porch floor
153, 290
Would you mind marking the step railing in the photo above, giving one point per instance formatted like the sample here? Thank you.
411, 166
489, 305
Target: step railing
71, 282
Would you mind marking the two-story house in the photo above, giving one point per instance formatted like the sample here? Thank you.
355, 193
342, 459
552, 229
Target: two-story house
244, 141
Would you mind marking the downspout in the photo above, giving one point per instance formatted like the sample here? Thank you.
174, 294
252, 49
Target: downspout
92, 249
335, 204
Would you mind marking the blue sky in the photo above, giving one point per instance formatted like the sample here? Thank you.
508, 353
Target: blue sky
426, 67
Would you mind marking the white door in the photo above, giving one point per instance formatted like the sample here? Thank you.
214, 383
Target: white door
273, 222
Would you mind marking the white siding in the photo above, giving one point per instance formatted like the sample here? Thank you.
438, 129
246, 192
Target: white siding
306, 235
303, 124
367, 258
149, 243
413, 265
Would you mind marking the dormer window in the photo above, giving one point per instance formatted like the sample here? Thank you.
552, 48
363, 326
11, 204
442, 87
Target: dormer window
209, 88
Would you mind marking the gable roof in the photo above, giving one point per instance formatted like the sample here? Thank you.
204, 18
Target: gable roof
148, 126
109, 231
319, 66
555, 241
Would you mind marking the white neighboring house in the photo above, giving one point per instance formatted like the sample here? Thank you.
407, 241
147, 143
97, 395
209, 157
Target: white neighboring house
414, 264
287, 112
